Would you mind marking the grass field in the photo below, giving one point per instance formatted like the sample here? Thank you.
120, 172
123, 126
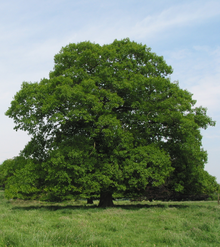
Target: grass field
31, 223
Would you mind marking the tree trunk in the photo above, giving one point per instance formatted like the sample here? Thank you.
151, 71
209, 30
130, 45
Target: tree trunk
89, 201
106, 200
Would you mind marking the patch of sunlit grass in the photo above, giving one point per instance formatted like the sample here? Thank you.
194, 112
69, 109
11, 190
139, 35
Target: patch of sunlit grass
33, 223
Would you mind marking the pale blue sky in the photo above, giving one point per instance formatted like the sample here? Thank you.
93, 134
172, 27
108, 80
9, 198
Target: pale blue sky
185, 32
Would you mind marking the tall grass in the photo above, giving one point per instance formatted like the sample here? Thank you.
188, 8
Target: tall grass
30, 223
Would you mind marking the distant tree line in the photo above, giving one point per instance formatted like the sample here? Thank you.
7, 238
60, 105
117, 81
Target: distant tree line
16, 179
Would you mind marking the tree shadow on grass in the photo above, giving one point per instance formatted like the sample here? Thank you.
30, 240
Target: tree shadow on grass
53, 207
92, 207
159, 205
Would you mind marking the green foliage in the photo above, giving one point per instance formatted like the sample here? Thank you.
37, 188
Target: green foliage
9, 167
25, 180
108, 120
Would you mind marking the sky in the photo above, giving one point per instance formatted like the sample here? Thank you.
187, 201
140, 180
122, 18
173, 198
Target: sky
185, 32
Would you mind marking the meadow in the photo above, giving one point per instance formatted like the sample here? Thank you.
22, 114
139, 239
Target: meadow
34, 223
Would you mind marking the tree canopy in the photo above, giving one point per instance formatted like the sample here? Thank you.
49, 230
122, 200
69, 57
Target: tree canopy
109, 120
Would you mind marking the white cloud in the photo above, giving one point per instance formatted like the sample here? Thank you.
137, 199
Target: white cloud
186, 14
207, 92
197, 70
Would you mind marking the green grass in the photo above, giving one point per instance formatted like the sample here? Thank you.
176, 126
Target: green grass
31, 223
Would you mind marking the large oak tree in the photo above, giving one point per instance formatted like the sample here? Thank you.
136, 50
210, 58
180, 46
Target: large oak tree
109, 120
